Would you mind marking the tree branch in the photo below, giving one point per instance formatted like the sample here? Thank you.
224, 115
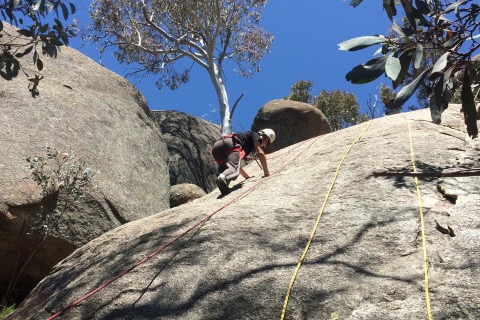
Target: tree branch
225, 47
176, 41
217, 30
154, 25
235, 105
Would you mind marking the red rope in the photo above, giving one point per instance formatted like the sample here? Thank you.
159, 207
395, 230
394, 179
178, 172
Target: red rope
160, 249
289, 151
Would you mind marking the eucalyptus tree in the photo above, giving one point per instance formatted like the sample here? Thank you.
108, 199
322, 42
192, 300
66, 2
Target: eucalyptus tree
156, 35
301, 91
34, 20
448, 27
340, 107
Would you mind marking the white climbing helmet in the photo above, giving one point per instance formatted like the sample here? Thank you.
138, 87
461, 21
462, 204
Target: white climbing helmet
269, 133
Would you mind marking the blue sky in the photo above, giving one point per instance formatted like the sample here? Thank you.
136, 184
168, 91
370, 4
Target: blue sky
305, 47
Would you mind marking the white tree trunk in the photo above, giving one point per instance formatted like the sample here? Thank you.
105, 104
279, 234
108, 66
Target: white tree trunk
216, 76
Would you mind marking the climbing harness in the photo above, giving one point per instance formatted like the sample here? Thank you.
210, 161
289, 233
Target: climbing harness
309, 242
228, 151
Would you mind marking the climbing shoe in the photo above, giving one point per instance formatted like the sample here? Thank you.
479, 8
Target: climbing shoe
222, 184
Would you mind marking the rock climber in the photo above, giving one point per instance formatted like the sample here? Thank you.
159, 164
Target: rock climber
231, 149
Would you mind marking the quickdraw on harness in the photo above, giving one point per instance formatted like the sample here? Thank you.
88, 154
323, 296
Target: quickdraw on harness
234, 148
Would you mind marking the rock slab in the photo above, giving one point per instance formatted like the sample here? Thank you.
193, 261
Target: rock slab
365, 260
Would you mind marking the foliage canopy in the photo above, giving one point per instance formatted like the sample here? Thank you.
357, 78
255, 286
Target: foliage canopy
444, 26
157, 35
341, 108
301, 91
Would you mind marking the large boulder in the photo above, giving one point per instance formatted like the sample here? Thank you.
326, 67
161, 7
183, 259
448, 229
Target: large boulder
233, 257
189, 140
292, 122
184, 193
101, 117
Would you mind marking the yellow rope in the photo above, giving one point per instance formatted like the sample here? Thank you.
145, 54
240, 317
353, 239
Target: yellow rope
285, 304
425, 262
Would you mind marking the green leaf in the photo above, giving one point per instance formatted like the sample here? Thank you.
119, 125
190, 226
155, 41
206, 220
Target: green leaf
441, 63
437, 103
448, 85
453, 6
423, 6
405, 61
393, 67
468, 106
454, 41
36, 6
355, 3
395, 27
418, 56
64, 11
389, 7
49, 6
58, 23
367, 72
411, 13
44, 28
408, 90
361, 43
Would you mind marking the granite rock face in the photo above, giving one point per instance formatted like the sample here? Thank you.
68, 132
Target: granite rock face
233, 257
105, 121
189, 140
